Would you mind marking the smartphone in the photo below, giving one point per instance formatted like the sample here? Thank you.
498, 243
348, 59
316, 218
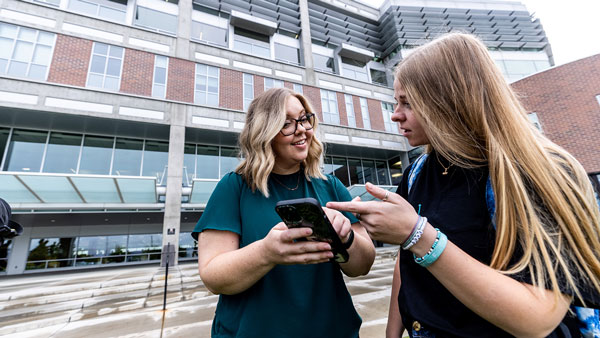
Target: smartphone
307, 212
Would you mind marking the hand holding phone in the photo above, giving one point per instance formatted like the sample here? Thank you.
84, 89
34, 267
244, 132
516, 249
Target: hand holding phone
307, 212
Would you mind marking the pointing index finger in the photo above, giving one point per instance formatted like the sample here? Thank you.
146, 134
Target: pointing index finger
355, 206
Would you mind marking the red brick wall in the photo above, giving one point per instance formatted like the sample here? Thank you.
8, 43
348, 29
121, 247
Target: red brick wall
342, 109
259, 85
138, 72
288, 85
375, 114
70, 62
564, 99
357, 112
313, 95
231, 89
181, 79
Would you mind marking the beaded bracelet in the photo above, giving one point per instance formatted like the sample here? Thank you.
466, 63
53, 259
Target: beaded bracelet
435, 251
416, 234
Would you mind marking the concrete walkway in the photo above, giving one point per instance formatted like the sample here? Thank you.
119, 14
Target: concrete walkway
127, 302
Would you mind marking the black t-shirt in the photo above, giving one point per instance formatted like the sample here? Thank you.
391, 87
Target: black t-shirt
456, 204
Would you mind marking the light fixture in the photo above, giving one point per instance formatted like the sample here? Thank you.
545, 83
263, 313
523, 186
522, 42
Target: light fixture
397, 175
399, 163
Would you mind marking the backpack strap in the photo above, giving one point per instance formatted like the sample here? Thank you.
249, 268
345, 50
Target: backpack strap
415, 169
490, 201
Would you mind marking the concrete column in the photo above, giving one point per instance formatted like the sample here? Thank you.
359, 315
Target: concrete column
184, 29
18, 253
306, 43
172, 218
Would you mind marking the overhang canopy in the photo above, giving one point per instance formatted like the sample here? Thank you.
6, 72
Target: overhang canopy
253, 23
361, 191
355, 53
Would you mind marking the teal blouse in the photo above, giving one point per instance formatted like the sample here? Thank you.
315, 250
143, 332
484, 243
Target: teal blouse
290, 300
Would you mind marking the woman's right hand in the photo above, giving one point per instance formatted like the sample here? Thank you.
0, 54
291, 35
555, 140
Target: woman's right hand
280, 246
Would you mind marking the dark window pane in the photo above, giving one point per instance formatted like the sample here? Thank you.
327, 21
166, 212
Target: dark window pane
57, 251
144, 247
251, 35
378, 77
369, 172
116, 247
328, 166
3, 139
383, 176
149, 18
189, 165
395, 170
229, 160
62, 153
323, 63
353, 62
341, 170
96, 155
355, 169
25, 151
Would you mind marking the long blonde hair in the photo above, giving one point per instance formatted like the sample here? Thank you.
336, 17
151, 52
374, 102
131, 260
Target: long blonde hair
265, 118
544, 199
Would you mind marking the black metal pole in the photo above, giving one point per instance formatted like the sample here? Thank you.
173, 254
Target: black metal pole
166, 276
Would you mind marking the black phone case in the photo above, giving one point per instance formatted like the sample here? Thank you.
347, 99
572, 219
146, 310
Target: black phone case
307, 212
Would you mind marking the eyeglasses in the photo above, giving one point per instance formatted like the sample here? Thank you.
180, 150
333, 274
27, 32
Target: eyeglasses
289, 127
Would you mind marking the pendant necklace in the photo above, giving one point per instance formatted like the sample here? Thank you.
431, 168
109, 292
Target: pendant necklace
445, 168
285, 186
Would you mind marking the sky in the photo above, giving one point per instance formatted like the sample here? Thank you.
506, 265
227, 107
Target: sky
572, 26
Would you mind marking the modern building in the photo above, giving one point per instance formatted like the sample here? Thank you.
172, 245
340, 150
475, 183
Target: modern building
118, 117
564, 102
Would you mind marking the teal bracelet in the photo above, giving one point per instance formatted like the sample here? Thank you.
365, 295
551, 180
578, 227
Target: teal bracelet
435, 252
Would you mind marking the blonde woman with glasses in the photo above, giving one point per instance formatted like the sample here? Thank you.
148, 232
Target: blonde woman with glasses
499, 227
270, 284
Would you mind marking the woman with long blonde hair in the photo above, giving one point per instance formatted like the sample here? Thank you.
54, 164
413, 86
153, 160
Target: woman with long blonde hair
272, 284
500, 226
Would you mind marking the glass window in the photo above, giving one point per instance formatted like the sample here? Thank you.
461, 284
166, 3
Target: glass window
156, 158
350, 110
388, 110
395, 165
229, 160
325, 63
383, 176
328, 167
541, 65
113, 10
25, 151
329, 107
188, 247
248, 90
298, 88
90, 250
519, 66
207, 162
369, 172
144, 247
364, 108
250, 42
3, 140
354, 69
341, 170
207, 85
378, 77
25, 52
355, 170
208, 33
189, 163
155, 20
5, 247
105, 66
62, 153
159, 83
96, 155
127, 157
116, 249
49, 2
272, 83
287, 53
57, 251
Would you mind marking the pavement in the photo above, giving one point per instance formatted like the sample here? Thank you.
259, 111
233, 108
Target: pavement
128, 302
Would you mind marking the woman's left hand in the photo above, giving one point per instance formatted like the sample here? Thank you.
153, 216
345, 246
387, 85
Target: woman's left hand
340, 223
390, 221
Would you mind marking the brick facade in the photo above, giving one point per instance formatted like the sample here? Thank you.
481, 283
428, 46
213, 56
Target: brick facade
259, 85
138, 72
231, 89
181, 79
564, 99
313, 95
70, 61
342, 109
357, 112
375, 115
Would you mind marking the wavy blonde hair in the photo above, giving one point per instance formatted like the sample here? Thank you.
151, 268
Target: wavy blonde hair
544, 199
265, 118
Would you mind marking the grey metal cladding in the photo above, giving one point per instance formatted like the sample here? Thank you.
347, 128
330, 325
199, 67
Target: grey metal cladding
535, 45
512, 44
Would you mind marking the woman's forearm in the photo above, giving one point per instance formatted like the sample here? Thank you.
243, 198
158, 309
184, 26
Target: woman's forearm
362, 253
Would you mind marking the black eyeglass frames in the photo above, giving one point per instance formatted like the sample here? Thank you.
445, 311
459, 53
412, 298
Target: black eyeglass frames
289, 127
